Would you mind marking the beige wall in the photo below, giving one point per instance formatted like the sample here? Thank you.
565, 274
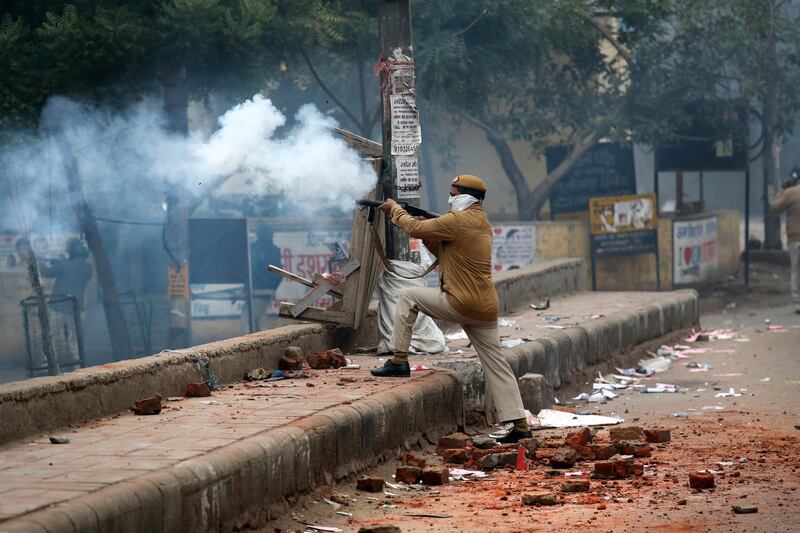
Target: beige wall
570, 238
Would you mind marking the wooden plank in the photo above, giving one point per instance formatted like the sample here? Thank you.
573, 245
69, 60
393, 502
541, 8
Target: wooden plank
320, 290
316, 314
362, 144
301, 280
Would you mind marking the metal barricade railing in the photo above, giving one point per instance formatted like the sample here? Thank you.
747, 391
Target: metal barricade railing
66, 334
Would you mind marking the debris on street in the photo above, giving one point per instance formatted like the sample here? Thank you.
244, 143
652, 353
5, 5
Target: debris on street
147, 406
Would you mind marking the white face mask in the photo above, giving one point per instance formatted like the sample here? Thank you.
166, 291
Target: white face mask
460, 202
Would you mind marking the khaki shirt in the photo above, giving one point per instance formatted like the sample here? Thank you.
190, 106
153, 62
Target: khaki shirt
789, 200
462, 241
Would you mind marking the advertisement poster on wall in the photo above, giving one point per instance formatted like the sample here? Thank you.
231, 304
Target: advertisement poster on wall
513, 246
694, 250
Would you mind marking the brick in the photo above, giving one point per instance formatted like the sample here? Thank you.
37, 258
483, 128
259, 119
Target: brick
488, 461
616, 469
370, 484
435, 476
506, 459
408, 474
627, 433
147, 406
457, 456
454, 440
413, 460
603, 451
578, 438
585, 453
379, 528
636, 449
563, 458
636, 469
484, 442
575, 485
655, 436
544, 454
197, 390
539, 498
328, 359
552, 443
622, 469
292, 358
701, 480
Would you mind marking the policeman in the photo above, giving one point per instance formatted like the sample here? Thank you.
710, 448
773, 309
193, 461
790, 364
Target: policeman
462, 241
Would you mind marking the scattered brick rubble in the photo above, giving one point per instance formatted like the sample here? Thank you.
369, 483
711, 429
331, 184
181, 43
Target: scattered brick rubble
328, 359
147, 406
197, 390
612, 453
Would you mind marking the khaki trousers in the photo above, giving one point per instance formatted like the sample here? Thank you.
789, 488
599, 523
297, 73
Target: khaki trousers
501, 384
794, 261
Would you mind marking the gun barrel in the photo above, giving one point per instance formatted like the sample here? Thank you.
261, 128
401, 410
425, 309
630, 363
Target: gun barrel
369, 203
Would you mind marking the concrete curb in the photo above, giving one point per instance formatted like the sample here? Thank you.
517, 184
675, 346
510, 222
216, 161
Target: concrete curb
40, 404
246, 483
561, 354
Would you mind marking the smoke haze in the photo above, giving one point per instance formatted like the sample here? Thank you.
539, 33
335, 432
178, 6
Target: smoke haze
128, 159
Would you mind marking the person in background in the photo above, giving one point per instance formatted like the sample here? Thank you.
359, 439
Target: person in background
263, 252
788, 199
72, 274
462, 241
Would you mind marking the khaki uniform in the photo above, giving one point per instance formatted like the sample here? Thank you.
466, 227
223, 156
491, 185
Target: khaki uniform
789, 200
462, 241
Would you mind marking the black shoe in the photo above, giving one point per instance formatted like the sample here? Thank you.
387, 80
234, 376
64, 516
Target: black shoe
514, 436
392, 370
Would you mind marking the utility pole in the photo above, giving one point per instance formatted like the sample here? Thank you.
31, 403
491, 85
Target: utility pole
400, 123
115, 317
176, 233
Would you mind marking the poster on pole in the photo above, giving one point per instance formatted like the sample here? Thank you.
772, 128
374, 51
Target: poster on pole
694, 250
513, 246
408, 183
406, 133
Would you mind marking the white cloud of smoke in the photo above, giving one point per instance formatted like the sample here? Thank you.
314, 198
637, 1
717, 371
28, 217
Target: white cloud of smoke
128, 159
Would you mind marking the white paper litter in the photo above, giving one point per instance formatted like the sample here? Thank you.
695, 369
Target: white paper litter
656, 364
549, 418
730, 394
510, 343
581, 397
456, 336
460, 473
597, 397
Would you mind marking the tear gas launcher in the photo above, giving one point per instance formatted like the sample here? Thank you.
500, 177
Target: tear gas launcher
410, 209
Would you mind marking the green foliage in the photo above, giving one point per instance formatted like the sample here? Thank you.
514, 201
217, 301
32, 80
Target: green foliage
19, 99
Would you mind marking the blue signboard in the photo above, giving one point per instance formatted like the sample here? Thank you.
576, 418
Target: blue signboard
605, 170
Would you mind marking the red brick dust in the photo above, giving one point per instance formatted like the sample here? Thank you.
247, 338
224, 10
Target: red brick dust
763, 473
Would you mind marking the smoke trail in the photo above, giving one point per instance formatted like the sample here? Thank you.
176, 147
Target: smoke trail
128, 159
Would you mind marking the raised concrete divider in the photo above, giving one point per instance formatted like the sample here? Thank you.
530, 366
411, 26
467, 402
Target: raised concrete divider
559, 355
40, 404
245, 483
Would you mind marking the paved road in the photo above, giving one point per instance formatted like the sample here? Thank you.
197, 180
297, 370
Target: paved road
754, 431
